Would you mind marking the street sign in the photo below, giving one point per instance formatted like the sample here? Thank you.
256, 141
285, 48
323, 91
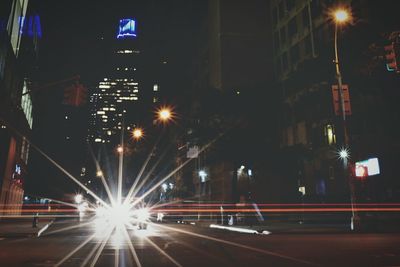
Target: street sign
336, 99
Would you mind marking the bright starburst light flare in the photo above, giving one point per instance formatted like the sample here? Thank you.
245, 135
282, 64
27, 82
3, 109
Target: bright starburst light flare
125, 219
343, 153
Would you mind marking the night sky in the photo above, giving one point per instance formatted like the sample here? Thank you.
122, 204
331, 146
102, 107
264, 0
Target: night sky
74, 36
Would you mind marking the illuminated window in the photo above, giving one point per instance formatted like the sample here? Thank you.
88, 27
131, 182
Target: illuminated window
26, 104
155, 87
330, 135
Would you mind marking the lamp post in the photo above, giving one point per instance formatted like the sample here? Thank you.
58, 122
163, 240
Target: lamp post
341, 16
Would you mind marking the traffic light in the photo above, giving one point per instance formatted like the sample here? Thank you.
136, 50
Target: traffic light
392, 55
75, 95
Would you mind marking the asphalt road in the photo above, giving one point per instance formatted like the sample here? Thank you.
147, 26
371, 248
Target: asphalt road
188, 245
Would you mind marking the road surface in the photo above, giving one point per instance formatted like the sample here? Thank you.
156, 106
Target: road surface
188, 245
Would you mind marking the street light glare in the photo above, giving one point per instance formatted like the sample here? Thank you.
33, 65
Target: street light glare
341, 15
78, 198
344, 153
120, 149
137, 133
99, 173
164, 114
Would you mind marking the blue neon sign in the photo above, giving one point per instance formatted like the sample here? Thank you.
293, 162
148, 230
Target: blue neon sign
127, 29
30, 26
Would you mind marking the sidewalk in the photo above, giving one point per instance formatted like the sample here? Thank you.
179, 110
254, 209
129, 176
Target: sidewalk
22, 227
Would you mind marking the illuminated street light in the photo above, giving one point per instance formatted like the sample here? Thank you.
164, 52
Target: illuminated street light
78, 198
137, 133
164, 114
341, 15
343, 154
99, 173
120, 149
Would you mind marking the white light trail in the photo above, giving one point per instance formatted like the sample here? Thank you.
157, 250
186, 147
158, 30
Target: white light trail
103, 180
74, 251
131, 190
120, 165
169, 175
131, 248
163, 252
266, 252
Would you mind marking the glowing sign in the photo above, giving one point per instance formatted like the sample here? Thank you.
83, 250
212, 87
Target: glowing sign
127, 29
30, 26
17, 171
368, 167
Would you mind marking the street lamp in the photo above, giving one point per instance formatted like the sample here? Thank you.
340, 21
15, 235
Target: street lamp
137, 133
164, 114
120, 149
344, 154
341, 16
99, 173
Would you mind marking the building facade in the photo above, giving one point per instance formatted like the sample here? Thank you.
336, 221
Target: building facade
20, 31
311, 131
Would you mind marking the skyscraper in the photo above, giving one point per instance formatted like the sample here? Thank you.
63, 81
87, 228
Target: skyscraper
114, 100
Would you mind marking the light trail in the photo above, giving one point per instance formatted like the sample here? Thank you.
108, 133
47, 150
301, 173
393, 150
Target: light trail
90, 192
120, 163
39, 216
266, 252
116, 257
103, 180
75, 250
131, 190
97, 256
67, 228
142, 183
170, 174
281, 210
204, 253
131, 248
285, 204
96, 246
38, 210
165, 254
